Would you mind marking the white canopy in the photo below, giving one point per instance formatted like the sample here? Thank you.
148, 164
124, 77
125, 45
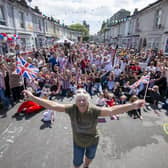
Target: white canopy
60, 41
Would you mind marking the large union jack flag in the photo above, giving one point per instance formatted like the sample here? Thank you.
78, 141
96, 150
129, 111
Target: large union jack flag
26, 69
143, 79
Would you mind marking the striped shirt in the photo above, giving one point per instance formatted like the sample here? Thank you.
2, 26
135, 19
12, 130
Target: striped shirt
2, 81
65, 84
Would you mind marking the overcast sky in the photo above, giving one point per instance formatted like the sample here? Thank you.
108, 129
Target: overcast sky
93, 11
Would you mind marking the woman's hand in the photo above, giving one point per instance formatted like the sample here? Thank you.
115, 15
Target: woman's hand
27, 94
138, 104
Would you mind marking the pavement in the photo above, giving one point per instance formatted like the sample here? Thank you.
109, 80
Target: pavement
126, 143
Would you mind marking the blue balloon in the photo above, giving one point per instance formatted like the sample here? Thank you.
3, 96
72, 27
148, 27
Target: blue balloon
1, 36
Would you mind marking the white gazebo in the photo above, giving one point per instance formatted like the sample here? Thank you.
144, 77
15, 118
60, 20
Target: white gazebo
62, 40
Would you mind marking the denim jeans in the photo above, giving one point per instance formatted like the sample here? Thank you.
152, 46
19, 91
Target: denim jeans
98, 87
140, 88
6, 102
78, 153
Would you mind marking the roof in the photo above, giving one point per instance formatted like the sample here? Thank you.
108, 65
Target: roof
150, 5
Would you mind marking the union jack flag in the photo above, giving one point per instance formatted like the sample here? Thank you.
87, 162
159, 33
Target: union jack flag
26, 69
143, 79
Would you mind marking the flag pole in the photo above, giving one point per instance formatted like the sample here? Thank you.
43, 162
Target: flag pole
147, 88
115, 54
17, 52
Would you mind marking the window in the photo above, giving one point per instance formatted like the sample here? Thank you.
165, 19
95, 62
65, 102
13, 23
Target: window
137, 25
46, 26
21, 14
158, 18
10, 14
54, 28
2, 16
166, 46
23, 44
39, 25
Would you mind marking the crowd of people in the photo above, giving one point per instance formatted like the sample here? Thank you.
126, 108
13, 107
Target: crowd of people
111, 73
118, 77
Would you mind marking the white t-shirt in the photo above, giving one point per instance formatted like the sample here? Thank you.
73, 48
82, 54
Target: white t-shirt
117, 72
108, 65
101, 102
47, 115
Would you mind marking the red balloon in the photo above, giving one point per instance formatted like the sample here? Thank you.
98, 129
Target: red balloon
10, 39
4, 34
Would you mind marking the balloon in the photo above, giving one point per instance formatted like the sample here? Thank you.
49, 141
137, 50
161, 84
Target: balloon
4, 39
4, 34
1, 36
9, 38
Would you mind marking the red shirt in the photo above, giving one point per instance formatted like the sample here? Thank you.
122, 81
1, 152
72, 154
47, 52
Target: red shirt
84, 63
110, 102
135, 68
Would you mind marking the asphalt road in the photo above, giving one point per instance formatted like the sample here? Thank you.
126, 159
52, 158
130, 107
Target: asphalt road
124, 143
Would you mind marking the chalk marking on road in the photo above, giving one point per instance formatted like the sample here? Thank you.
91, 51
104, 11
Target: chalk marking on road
12, 137
8, 137
45, 159
6, 130
10, 141
165, 128
48, 141
3, 148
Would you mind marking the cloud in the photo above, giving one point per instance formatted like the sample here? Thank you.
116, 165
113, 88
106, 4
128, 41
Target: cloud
93, 11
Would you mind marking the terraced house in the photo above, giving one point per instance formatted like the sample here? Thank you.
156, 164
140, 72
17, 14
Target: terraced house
28, 27
147, 28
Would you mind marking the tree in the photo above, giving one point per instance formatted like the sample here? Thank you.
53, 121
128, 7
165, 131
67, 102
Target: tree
81, 28
36, 9
135, 11
104, 25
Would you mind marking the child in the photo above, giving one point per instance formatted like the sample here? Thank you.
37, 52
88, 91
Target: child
101, 100
48, 118
111, 102
135, 113
122, 99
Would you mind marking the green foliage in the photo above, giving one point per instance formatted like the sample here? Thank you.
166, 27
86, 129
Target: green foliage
104, 24
79, 27
85, 38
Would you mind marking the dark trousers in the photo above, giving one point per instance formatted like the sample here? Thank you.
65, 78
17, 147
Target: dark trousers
16, 93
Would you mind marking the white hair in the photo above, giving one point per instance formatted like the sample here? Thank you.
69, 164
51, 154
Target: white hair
82, 93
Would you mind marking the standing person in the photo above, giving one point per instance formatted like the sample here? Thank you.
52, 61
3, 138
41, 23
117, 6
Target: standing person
16, 83
4, 99
83, 117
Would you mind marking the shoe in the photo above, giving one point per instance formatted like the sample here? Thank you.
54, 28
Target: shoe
141, 118
7, 108
114, 117
20, 101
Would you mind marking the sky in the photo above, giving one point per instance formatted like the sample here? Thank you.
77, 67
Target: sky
93, 11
